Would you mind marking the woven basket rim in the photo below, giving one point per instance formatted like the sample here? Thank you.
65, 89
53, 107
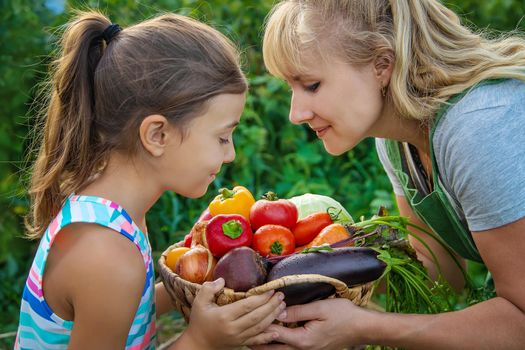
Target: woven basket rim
183, 292
339, 285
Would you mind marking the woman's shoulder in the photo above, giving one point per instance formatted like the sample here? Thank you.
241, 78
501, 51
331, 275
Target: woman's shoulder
484, 108
499, 93
475, 150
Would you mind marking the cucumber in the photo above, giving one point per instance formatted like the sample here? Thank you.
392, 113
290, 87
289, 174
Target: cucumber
351, 265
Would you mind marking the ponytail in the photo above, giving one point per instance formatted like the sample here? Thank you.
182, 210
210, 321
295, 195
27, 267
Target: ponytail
69, 151
99, 93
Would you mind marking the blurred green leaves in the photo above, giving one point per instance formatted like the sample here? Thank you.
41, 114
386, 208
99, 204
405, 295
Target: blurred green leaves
272, 153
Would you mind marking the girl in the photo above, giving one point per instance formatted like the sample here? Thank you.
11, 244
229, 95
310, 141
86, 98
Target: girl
447, 107
132, 113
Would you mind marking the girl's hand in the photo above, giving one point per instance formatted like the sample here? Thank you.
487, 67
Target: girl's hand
240, 323
332, 324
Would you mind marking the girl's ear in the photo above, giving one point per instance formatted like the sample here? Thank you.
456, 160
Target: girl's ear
154, 132
383, 66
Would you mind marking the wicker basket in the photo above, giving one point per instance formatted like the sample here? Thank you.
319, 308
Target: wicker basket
183, 292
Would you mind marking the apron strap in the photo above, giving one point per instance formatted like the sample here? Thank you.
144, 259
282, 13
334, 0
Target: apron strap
434, 208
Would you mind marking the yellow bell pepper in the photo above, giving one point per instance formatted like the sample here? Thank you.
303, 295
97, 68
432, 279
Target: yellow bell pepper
236, 201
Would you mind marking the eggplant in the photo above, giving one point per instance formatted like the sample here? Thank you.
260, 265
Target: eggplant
351, 265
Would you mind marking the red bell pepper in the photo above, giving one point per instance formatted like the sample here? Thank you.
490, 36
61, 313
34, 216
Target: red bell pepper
227, 231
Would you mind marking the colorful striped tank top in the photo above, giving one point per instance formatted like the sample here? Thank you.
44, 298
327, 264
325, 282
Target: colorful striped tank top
39, 327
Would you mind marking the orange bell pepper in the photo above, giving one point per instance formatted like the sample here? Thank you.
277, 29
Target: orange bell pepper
239, 200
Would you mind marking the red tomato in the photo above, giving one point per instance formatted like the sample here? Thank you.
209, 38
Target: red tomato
273, 211
307, 228
273, 240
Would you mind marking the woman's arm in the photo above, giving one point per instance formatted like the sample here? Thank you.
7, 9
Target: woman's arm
449, 268
498, 323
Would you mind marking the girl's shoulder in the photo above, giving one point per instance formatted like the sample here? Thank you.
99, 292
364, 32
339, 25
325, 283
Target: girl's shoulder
101, 211
92, 255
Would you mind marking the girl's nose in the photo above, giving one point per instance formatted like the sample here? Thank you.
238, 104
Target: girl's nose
299, 112
230, 153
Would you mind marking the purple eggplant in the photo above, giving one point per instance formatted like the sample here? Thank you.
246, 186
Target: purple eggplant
351, 265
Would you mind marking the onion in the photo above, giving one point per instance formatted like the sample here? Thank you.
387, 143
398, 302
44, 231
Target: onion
196, 265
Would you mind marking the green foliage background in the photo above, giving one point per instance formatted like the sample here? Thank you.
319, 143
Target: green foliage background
272, 154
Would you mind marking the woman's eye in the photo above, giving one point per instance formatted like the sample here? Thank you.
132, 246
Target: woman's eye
223, 141
313, 87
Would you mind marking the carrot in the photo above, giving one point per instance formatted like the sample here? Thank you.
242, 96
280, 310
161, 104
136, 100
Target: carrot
330, 234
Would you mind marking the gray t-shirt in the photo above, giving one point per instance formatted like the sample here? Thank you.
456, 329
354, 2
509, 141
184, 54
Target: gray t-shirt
479, 145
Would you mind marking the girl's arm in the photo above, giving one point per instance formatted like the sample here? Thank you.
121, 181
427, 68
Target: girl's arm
449, 268
163, 301
498, 323
101, 275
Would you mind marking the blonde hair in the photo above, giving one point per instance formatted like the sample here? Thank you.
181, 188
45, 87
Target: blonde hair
435, 56
99, 93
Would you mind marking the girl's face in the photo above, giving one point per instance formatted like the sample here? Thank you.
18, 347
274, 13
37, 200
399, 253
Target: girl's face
340, 102
192, 164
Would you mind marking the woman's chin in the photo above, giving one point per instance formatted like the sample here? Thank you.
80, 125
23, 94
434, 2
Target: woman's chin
334, 150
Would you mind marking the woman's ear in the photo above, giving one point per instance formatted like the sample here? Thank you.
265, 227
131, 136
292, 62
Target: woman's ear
383, 67
154, 132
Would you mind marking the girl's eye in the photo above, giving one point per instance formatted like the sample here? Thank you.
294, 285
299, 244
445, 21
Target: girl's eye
223, 141
313, 87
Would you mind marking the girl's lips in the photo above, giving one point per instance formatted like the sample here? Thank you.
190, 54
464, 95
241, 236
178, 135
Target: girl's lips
321, 132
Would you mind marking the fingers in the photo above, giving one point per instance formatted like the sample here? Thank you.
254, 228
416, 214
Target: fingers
260, 339
247, 305
290, 336
304, 312
259, 319
206, 294
272, 347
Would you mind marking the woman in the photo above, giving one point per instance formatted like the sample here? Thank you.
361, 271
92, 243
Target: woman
447, 108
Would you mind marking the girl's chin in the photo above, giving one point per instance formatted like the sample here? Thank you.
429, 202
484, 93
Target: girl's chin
195, 193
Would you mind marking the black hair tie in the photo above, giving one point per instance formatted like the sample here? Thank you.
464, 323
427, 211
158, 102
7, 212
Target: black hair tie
109, 33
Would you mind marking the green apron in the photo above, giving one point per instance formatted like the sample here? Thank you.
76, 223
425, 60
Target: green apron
435, 208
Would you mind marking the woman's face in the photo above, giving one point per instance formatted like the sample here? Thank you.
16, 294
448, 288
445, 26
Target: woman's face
342, 103
191, 165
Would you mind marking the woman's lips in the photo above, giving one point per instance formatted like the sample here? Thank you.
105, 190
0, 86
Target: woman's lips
321, 131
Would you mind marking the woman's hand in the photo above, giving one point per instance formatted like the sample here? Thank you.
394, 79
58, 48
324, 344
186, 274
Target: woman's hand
331, 324
223, 327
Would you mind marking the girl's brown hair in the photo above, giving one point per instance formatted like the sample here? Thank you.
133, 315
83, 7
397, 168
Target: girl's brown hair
98, 95
435, 56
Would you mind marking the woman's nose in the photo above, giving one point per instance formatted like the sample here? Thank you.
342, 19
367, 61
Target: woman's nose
299, 112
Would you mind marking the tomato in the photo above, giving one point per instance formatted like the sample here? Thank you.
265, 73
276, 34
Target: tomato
307, 228
273, 211
273, 240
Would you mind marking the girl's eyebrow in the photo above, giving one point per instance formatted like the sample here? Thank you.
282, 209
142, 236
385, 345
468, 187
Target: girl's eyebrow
231, 125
